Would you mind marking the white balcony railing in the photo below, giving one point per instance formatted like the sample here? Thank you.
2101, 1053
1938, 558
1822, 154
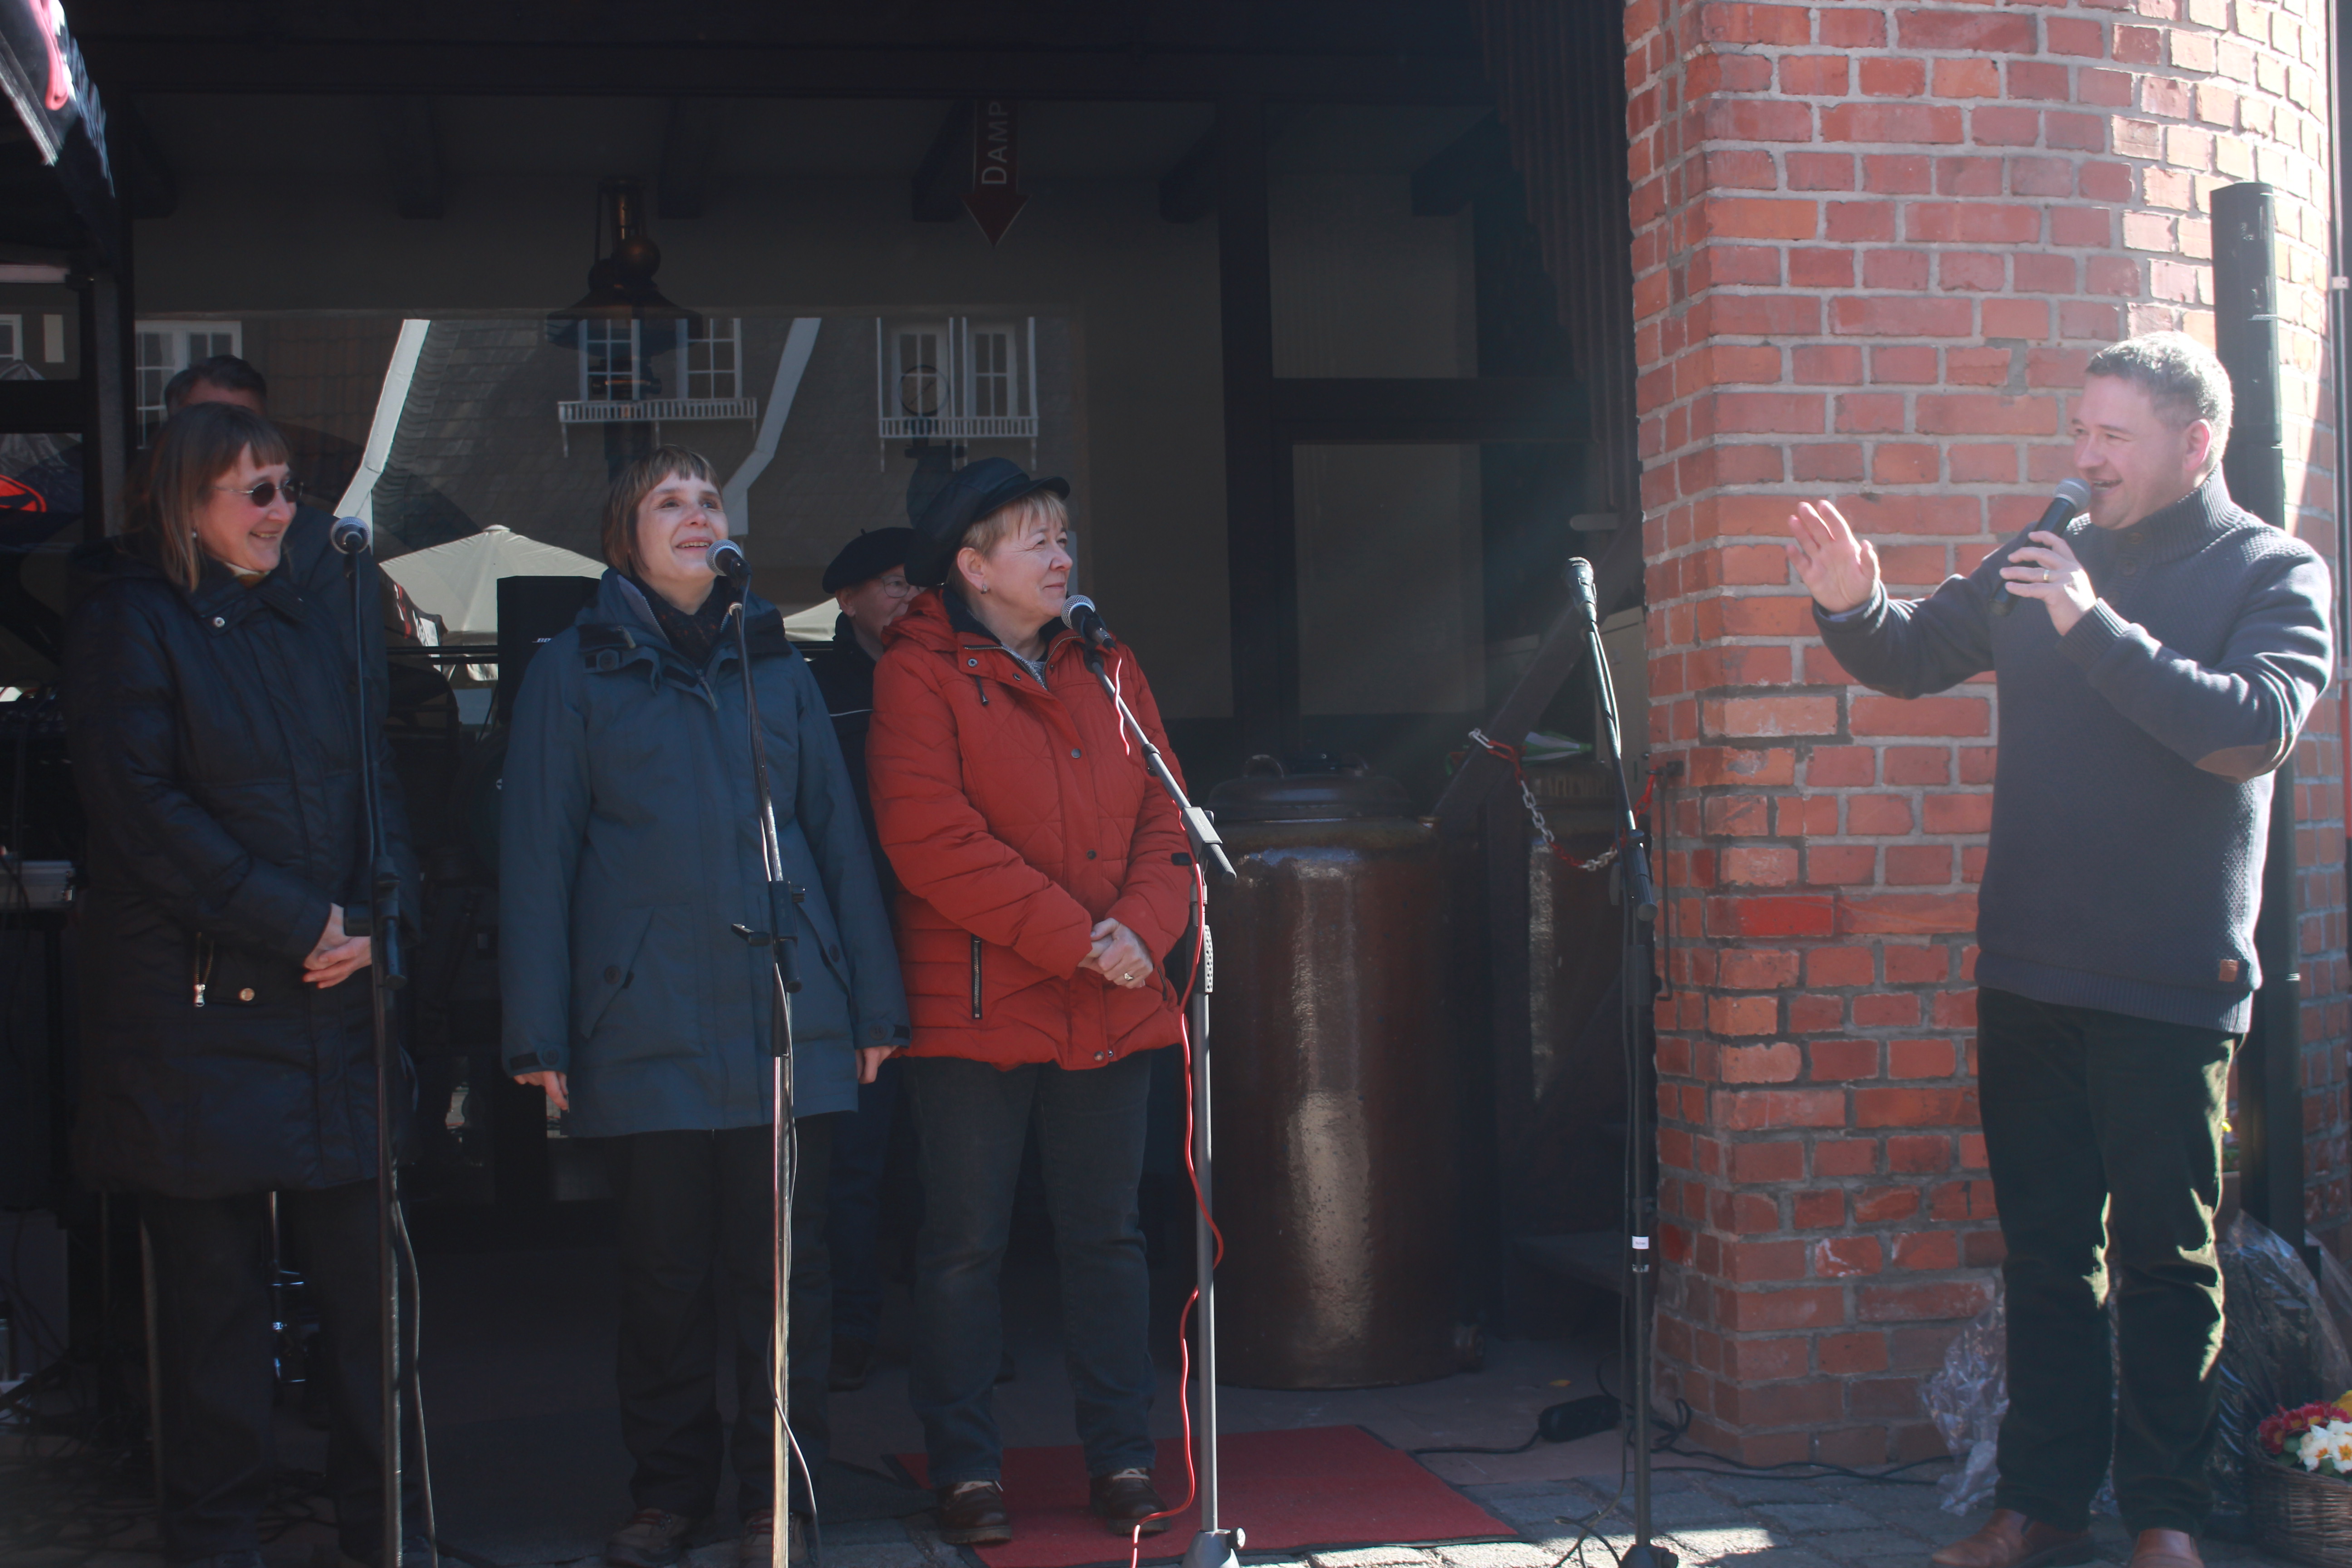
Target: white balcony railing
651, 411
961, 428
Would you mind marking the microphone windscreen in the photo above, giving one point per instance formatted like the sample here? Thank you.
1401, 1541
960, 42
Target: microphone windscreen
726, 558
1072, 607
2075, 492
350, 534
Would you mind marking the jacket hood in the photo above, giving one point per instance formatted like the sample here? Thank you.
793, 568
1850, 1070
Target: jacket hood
618, 602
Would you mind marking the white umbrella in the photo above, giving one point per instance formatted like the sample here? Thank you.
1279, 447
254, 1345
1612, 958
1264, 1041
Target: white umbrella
460, 581
815, 623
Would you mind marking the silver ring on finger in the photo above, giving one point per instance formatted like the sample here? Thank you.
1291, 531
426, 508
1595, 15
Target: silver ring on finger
2046, 574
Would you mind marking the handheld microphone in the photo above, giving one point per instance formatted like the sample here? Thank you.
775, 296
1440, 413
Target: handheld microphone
1580, 591
350, 535
1079, 614
2072, 497
726, 560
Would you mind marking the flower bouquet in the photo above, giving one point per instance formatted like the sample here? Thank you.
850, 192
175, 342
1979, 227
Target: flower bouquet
2302, 1501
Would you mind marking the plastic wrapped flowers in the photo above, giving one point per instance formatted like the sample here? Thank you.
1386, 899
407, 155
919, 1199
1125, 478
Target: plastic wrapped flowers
2316, 1436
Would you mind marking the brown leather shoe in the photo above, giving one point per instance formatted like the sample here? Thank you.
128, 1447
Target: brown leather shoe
972, 1513
2009, 1539
1125, 1499
2166, 1549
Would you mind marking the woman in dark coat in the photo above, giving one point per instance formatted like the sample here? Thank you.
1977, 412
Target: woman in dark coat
628, 852
225, 1023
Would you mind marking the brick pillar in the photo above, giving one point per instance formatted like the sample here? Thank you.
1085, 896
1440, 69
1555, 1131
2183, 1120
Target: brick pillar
1873, 248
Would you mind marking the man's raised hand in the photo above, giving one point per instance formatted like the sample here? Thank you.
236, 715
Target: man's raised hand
1837, 565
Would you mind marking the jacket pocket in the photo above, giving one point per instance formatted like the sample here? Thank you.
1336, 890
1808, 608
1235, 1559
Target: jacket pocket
226, 975
975, 976
603, 965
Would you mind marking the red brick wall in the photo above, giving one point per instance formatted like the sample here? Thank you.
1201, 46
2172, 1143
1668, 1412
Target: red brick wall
1874, 247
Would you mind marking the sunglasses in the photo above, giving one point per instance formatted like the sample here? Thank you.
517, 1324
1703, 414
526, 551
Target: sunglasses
265, 494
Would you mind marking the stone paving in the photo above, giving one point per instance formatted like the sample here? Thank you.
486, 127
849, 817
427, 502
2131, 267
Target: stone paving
1708, 1518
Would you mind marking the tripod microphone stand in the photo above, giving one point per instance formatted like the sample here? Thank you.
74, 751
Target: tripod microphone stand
1215, 1546
1634, 976
387, 972
781, 939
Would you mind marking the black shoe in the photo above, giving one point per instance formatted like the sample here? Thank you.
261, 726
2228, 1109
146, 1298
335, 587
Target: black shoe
1125, 1499
654, 1538
853, 1362
972, 1513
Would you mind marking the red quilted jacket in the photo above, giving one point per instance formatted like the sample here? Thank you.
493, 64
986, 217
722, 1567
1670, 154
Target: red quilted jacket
1016, 816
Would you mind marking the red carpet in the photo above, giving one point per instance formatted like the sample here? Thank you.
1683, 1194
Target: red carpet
1324, 1486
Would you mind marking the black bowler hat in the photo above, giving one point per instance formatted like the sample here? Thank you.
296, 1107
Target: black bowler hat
867, 556
971, 493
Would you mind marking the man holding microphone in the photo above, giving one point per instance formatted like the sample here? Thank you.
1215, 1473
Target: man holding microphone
2161, 658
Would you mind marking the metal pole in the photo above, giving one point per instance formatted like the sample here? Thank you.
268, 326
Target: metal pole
1204, 1241
2245, 336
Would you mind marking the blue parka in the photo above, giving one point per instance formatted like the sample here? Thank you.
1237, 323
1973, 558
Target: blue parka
629, 849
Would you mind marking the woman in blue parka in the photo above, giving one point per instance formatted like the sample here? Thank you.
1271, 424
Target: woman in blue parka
629, 858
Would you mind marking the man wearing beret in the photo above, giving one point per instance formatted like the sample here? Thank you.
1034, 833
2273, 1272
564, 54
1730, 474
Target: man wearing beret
868, 581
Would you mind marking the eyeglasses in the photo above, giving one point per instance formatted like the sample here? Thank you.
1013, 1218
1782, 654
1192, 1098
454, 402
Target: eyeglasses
898, 588
265, 494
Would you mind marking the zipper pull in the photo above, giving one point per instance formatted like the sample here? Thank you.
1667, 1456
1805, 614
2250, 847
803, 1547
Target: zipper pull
200, 992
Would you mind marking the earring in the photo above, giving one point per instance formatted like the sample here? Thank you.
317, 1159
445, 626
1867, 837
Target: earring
983, 587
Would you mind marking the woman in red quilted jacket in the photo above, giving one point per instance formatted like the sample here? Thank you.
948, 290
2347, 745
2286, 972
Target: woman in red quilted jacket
1043, 878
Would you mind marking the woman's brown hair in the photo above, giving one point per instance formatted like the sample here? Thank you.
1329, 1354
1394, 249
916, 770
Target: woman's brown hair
194, 450
630, 487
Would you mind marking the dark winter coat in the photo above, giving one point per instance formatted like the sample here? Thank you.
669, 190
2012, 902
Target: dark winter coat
1018, 815
845, 674
215, 742
627, 851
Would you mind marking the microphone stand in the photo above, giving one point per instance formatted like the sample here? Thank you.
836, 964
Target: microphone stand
380, 922
782, 938
1215, 1546
1634, 977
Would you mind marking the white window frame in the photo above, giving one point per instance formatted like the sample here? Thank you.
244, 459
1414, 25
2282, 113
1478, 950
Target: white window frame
708, 382
591, 342
150, 378
14, 347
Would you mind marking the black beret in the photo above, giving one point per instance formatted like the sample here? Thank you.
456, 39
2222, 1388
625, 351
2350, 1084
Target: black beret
868, 556
971, 493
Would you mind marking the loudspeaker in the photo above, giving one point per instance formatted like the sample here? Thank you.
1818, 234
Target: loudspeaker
531, 611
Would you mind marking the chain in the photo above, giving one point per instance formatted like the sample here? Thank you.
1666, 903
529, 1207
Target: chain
1535, 812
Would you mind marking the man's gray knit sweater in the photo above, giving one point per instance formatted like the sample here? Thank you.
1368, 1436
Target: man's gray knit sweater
2132, 795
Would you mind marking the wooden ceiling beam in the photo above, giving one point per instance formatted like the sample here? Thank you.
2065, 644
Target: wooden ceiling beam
146, 63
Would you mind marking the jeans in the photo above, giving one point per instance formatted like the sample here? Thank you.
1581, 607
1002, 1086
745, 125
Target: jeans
973, 1120
693, 1205
216, 1365
861, 1146
2105, 1137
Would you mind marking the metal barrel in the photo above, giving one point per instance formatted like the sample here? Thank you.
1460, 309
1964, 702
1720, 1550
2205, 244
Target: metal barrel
1337, 1140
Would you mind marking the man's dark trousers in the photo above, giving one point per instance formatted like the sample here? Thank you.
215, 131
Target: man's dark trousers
695, 1206
2086, 1112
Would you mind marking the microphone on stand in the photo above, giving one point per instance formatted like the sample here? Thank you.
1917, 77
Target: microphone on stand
1580, 591
726, 559
2072, 497
350, 535
1079, 614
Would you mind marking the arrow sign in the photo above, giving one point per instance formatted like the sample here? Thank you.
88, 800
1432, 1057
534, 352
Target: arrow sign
995, 198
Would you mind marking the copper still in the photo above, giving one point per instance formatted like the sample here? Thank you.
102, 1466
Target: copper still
1337, 1139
